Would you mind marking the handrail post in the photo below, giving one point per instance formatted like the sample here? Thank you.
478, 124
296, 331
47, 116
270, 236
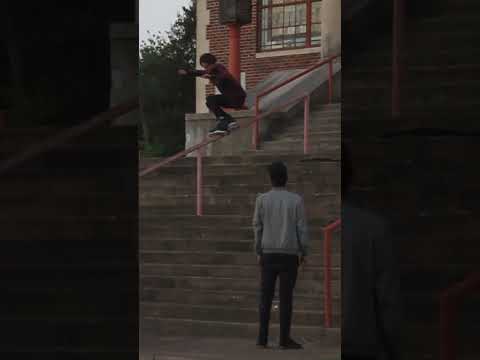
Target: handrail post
200, 182
306, 123
330, 81
256, 126
327, 278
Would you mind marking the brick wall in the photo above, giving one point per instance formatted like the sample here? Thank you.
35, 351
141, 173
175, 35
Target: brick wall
256, 69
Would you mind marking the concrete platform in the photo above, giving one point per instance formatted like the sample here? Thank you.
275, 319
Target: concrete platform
232, 349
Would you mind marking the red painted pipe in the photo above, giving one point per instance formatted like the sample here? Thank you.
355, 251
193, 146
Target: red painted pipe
234, 54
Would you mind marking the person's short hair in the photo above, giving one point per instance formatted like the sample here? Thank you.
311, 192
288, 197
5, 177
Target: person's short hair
278, 174
208, 59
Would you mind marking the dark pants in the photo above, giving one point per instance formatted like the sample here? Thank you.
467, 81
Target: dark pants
357, 358
216, 102
285, 267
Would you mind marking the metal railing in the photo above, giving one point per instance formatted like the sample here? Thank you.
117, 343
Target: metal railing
449, 301
327, 270
65, 135
200, 147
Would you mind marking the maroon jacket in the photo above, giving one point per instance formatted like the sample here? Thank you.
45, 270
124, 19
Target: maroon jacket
223, 80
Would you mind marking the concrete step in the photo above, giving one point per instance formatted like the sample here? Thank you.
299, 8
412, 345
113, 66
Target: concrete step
219, 222
227, 298
238, 315
325, 185
175, 327
326, 208
233, 202
303, 286
149, 231
153, 243
307, 272
326, 148
220, 258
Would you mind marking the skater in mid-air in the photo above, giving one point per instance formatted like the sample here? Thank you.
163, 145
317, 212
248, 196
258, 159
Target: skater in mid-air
232, 93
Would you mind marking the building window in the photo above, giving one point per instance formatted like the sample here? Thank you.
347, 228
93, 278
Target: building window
286, 24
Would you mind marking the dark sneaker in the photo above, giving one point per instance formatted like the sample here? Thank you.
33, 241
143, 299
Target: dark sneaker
232, 124
291, 345
220, 129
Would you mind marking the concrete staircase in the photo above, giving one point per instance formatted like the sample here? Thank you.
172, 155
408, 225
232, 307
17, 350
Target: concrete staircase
415, 176
199, 274
324, 135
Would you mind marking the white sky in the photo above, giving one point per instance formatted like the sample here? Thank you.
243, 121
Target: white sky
158, 15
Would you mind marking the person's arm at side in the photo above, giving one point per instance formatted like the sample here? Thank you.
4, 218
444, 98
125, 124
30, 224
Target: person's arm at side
387, 272
258, 226
302, 230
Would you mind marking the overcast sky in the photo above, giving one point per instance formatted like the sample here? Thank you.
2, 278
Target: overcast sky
158, 15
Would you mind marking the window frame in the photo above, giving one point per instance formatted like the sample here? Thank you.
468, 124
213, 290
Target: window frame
270, 7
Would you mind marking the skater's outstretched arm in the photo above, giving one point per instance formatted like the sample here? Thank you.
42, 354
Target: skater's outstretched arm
192, 72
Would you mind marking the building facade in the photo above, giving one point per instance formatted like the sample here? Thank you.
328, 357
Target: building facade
283, 35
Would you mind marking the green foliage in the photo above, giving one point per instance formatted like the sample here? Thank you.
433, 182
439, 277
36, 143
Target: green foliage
166, 96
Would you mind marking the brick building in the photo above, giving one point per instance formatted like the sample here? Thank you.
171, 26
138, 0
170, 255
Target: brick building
283, 35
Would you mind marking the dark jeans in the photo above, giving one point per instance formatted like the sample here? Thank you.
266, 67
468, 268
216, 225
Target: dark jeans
216, 102
285, 267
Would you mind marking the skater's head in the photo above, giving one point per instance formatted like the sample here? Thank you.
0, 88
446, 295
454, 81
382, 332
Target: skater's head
278, 174
207, 60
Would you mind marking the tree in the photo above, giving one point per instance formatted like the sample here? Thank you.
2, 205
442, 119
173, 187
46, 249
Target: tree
165, 96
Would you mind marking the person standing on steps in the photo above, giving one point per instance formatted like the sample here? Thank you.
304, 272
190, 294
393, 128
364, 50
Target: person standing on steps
371, 298
281, 245
232, 93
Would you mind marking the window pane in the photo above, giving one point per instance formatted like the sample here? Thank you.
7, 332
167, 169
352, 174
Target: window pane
290, 15
265, 2
316, 34
316, 17
301, 17
277, 38
275, 2
277, 15
265, 18
266, 38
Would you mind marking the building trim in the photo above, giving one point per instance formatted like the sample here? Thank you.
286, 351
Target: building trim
276, 53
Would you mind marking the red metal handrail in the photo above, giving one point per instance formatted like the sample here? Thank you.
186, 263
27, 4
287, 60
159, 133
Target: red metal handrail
327, 264
449, 300
256, 129
63, 136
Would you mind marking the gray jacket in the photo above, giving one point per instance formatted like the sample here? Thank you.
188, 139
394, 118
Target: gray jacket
371, 305
279, 223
